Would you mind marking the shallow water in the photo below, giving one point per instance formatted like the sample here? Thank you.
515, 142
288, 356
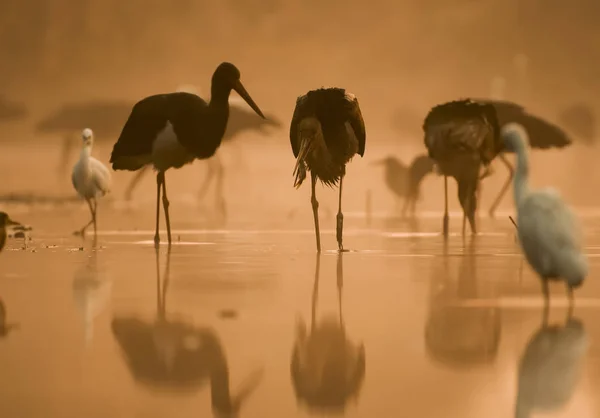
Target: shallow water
111, 329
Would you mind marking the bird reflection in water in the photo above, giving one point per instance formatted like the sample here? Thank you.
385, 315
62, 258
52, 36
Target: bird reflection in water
455, 335
91, 292
550, 367
172, 354
5, 327
327, 368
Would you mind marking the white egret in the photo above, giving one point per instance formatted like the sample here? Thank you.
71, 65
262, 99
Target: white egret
90, 178
549, 233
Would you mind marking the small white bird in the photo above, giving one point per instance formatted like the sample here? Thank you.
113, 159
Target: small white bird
90, 178
549, 233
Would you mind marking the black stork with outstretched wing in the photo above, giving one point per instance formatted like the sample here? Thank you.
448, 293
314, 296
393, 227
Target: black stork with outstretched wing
461, 136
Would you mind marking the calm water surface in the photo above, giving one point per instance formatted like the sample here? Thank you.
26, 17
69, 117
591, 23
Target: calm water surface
238, 322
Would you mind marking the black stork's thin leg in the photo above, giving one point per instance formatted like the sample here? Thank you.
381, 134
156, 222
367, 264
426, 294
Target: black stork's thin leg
159, 178
445, 222
315, 207
340, 219
134, 182
511, 174
340, 285
166, 207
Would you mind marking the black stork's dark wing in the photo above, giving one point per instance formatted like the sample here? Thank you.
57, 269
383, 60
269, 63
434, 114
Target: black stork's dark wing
462, 127
333, 107
542, 133
579, 119
185, 111
104, 117
10, 110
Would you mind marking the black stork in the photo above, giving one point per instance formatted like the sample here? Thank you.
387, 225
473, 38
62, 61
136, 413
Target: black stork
542, 135
405, 181
173, 129
461, 136
5, 222
240, 121
326, 131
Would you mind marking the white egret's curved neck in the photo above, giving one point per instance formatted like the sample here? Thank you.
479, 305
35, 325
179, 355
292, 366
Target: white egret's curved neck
521, 180
86, 151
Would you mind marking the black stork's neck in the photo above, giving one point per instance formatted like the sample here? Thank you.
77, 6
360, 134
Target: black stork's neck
219, 111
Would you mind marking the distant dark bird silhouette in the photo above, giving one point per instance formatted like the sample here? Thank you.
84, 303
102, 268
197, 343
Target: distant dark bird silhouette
461, 137
5, 221
105, 117
542, 133
579, 119
405, 182
326, 131
171, 130
10, 111
240, 121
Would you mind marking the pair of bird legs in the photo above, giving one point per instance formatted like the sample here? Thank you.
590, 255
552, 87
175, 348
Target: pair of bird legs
315, 207
215, 168
93, 205
467, 207
487, 172
546, 293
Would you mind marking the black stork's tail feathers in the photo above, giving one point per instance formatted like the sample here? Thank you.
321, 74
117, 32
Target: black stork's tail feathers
462, 129
327, 129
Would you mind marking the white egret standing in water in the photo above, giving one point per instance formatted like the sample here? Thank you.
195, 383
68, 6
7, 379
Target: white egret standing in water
548, 231
90, 178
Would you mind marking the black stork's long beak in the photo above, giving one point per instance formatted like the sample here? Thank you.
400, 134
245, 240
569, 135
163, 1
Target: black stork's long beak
380, 161
10, 222
239, 88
